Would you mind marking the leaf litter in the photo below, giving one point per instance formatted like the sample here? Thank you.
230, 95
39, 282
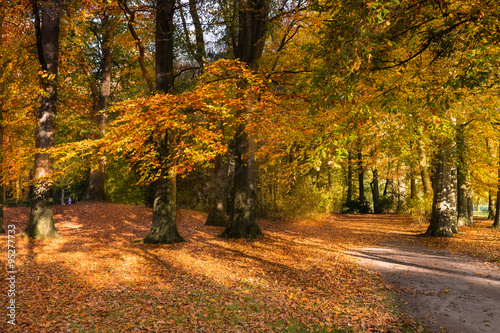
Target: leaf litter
295, 279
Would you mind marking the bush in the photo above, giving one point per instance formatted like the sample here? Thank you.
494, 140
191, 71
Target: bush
355, 206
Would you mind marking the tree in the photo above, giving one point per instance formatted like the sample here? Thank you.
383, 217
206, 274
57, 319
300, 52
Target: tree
41, 223
164, 227
95, 190
444, 204
253, 18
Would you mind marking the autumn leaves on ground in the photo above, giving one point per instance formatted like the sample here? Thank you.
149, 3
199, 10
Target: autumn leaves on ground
95, 278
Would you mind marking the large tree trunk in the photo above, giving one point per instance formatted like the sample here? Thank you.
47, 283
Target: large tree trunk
217, 213
164, 227
491, 206
243, 219
95, 190
253, 17
444, 204
496, 220
41, 223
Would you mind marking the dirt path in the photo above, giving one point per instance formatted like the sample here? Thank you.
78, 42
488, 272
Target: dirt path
450, 293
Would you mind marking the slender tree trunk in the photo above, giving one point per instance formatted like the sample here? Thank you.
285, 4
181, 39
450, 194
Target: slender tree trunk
470, 207
496, 221
217, 214
253, 18
444, 204
349, 177
426, 179
130, 15
413, 184
463, 188
376, 194
95, 190
41, 223
164, 227
361, 176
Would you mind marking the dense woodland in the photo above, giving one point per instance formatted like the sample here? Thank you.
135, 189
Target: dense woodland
251, 108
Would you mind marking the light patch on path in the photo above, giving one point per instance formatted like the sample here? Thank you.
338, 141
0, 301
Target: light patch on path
446, 292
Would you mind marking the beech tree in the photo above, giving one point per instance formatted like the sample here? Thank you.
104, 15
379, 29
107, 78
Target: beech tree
252, 24
101, 95
47, 21
164, 227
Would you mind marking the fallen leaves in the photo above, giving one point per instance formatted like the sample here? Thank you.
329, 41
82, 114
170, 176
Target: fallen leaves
96, 279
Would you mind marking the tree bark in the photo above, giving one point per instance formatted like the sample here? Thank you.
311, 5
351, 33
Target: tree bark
444, 203
217, 213
376, 194
164, 226
496, 221
463, 188
243, 219
491, 206
349, 177
95, 190
413, 184
253, 17
361, 176
426, 179
41, 223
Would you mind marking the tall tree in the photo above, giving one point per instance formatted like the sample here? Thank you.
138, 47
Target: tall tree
95, 190
463, 186
444, 204
164, 227
252, 20
496, 221
41, 223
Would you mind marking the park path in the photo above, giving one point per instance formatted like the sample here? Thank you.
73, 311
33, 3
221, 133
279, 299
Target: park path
447, 292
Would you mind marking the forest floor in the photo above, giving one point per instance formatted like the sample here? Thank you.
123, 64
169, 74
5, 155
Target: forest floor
306, 275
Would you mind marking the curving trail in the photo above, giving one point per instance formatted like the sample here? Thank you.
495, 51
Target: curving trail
448, 292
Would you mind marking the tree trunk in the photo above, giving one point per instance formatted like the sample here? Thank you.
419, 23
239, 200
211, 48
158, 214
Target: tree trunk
218, 194
496, 221
95, 190
470, 207
41, 223
413, 184
164, 227
376, 194
463, 187
426, 179
491, 207
444, 203
361, 176
349, 178
243, 219
253, 17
